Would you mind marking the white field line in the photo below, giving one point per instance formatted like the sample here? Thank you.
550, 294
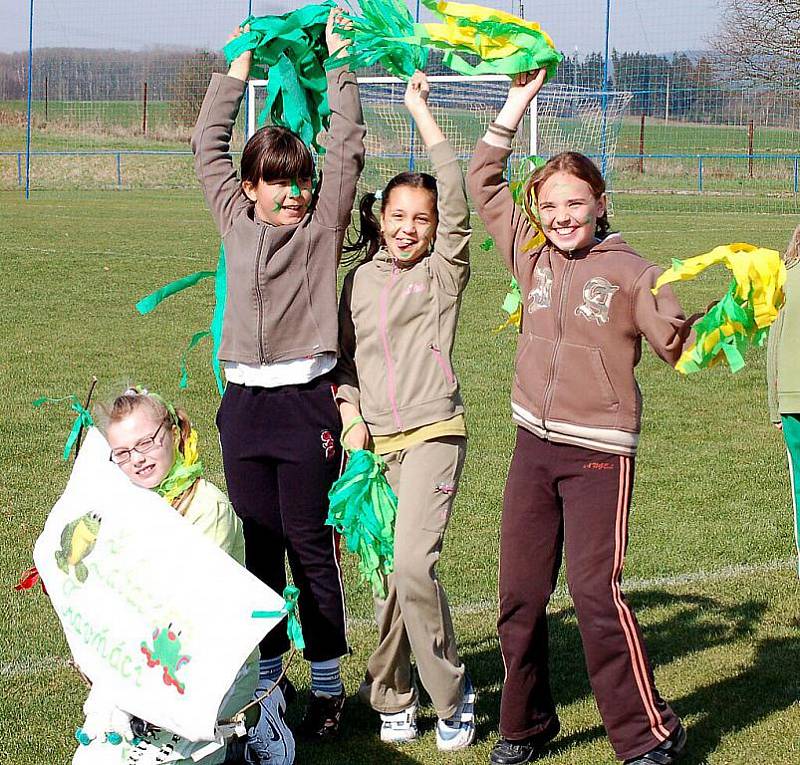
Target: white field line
41, 665
561, 595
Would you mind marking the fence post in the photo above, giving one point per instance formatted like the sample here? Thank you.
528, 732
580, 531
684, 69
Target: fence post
119, 170
46, 98
641, 147
700, 174
750, 131
796, 175
144, 109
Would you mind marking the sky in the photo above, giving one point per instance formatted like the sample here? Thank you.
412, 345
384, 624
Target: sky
656, 26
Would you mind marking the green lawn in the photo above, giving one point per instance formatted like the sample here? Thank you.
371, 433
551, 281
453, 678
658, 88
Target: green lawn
710, 566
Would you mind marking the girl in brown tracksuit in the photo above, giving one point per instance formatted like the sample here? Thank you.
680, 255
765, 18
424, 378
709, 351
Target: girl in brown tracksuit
587, 303
398, 392
278, 421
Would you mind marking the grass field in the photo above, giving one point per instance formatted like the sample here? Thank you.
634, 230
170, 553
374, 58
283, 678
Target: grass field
710, 569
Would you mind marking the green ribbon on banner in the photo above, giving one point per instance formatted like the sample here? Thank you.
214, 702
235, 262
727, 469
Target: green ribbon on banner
293, 629
290, 51
83, 419
363, 509
154, 299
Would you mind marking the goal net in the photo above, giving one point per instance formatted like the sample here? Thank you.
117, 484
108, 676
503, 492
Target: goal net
562, 118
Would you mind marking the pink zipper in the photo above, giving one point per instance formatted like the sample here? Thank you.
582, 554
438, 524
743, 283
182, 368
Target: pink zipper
383, 324
448, 373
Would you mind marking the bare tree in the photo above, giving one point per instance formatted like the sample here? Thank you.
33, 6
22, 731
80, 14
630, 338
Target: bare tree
760, 42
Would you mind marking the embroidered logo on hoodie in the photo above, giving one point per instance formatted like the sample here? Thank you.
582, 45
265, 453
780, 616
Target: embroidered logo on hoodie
540, 296
597, 294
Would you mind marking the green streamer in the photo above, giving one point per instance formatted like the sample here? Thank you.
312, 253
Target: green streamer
379, 37
363, 509
147, 304
154, 299
293, 628
82, 420
727, 311
290, 51
513, 299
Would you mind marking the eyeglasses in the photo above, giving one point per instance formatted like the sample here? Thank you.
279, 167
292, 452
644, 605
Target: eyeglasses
121, 456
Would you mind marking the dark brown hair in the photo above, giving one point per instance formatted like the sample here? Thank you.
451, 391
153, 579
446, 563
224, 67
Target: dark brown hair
573, 163
274, 153
369, 238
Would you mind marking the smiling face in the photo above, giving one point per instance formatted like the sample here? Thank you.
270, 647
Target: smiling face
568, 211
146, 469
280, 202
408, 223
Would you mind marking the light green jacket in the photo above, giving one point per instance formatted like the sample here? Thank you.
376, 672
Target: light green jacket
783, 355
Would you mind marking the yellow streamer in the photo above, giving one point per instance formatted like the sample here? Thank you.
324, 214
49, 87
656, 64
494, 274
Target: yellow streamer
751, 305
451, 31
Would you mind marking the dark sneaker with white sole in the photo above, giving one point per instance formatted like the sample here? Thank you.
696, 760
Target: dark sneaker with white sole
322, 717
665, 753
507, 752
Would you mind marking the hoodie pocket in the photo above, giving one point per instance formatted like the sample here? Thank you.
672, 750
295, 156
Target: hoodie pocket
583, 392
531, 371
443, 363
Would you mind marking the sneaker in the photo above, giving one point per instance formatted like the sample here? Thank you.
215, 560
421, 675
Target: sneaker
507, 752
665, 753
458, 731
399, 727
322, 717
269, 740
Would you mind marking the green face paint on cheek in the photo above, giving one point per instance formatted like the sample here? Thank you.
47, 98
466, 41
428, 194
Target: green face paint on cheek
276, 199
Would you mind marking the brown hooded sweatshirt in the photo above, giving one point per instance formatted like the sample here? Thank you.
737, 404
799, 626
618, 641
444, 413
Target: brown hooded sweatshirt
583, 319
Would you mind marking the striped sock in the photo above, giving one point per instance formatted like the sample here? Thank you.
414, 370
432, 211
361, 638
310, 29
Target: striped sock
326, 680
269, 670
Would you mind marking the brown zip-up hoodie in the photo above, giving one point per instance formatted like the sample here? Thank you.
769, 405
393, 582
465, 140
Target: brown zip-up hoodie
397, 325
583, 321
281, 280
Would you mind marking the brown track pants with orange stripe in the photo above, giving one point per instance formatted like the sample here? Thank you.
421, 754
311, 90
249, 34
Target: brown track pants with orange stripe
558, 495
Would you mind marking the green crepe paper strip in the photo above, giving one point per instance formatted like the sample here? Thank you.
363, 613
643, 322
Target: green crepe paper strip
180, 477
733, 346
154, 299
83, 419
290, 51
513, 299
534, 50
147, 304
293, 629
487, 244
363, 509
383, 35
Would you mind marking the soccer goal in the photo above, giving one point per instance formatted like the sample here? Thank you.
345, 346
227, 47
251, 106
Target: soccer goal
563, 117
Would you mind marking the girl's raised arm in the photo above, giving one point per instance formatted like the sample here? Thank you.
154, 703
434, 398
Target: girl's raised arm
211, 142
505, 221
344, 148
450, 258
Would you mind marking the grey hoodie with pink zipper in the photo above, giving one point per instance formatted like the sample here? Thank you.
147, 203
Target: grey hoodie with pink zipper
583, 319
397, 324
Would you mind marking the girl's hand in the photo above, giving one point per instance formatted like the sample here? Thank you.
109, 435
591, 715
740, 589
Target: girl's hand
357, 437
417, 92
240, 66
526, 86
333, 39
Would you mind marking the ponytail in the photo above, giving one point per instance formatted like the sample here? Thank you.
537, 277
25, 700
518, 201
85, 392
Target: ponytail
369, 236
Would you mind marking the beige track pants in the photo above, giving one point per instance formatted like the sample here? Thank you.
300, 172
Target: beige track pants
415, 615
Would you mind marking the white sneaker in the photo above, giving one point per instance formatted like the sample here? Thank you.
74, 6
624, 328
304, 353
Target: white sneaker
399, 727
458, 731
270, 740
